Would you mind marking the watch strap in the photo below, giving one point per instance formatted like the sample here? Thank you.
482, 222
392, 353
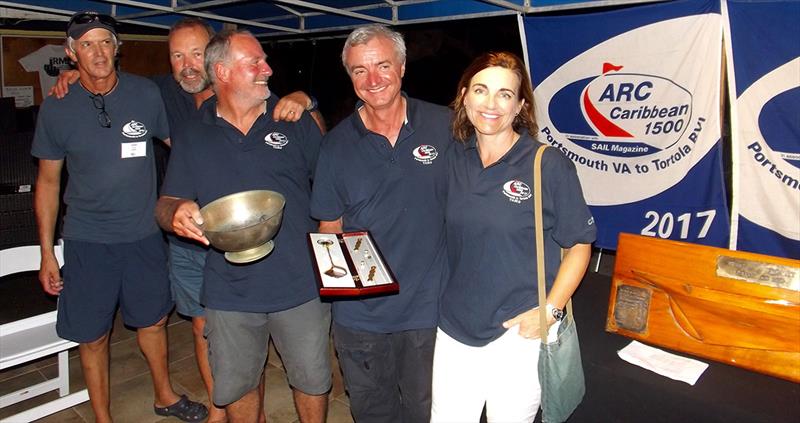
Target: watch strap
557, 313
314, 104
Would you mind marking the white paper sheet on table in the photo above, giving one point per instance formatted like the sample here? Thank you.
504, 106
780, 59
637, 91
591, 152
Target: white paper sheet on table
664, 363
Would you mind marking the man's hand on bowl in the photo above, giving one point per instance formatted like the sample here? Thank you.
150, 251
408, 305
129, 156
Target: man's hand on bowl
187, 220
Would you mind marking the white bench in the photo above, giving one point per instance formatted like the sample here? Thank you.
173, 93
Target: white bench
28, 339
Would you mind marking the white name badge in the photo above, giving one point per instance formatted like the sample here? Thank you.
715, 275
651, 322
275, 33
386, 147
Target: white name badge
134, 149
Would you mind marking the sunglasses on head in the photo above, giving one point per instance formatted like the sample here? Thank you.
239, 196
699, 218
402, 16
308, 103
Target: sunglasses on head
86, 17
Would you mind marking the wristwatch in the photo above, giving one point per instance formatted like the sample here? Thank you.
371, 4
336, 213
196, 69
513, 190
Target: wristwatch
558, 313
314, 104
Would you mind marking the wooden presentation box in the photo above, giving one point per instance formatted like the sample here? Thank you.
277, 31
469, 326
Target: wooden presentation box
736, 307
350, 265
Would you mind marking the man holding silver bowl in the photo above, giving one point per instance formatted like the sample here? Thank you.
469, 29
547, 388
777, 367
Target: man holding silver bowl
251, 292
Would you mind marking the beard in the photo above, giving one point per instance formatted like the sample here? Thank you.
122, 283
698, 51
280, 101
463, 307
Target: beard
193, 86
264, 83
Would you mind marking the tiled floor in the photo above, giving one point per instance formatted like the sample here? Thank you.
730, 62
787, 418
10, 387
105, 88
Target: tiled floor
131, 387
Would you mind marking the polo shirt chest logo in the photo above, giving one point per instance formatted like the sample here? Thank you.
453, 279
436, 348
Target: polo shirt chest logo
134, 129
276, 140
425, 154
517, 191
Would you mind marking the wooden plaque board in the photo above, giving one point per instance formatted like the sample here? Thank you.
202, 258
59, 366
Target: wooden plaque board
736, 307
350, 265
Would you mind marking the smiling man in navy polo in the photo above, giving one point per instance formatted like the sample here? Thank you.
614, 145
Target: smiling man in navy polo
235, 146
382, 170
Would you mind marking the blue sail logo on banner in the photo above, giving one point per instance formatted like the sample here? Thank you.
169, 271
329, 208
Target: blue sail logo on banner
627, 114
770, 159
764, 67
779, 135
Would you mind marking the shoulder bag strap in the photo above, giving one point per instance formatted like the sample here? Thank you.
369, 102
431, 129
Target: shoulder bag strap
539, 226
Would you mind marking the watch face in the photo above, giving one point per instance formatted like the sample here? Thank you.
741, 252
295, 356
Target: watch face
558, 314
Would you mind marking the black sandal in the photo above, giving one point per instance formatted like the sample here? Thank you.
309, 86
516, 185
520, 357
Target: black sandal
184, 409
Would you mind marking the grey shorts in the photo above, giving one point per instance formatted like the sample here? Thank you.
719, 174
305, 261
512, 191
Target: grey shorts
237, 348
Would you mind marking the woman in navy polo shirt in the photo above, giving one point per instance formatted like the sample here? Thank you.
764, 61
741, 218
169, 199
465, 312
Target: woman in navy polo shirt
487, 345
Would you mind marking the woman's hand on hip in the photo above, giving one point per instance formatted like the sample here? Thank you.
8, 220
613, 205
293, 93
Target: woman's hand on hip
528, 322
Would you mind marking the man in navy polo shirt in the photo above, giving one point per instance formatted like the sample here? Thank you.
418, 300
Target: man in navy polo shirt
183, 92
382, 169
236, 146
113, 249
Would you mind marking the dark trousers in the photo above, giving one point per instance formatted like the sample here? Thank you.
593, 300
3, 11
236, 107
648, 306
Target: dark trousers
387, 375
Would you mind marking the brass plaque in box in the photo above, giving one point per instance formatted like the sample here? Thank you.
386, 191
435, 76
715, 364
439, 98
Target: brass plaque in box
350, 265
631, 308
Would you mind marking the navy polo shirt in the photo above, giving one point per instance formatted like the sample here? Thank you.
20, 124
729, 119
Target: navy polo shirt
180, 107
491, 242
111, 191
210, 159
397, 193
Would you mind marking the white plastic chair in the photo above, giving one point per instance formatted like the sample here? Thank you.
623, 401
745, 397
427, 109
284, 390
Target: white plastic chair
28, 339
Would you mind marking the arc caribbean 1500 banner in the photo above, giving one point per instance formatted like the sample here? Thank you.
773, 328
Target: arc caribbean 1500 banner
631, 96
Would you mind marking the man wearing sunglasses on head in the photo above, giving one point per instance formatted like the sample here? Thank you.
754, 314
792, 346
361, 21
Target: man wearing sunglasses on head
184, 91
113, 250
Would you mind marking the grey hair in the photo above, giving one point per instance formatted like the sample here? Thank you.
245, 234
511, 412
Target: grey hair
218, 48
69, 43
364, 34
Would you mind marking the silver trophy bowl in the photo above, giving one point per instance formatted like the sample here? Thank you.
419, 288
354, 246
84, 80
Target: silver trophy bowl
243, 224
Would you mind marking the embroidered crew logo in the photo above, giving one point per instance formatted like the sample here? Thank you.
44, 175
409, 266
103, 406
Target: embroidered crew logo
134, 129
517, 191
425, 154
276, 140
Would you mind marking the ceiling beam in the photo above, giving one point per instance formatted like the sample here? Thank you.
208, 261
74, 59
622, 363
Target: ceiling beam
64, 14
392, 4
586, 5
204, 15
188, 6
335, 11
326, 30
49, 10
508, 5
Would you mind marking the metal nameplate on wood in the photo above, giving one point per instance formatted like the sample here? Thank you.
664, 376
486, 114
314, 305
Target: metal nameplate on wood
632, 308
768, 274
736, 307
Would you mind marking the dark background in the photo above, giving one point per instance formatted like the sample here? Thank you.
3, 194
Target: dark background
437, 54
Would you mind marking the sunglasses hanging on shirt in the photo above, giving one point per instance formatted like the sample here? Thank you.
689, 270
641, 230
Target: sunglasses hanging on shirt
102, 116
